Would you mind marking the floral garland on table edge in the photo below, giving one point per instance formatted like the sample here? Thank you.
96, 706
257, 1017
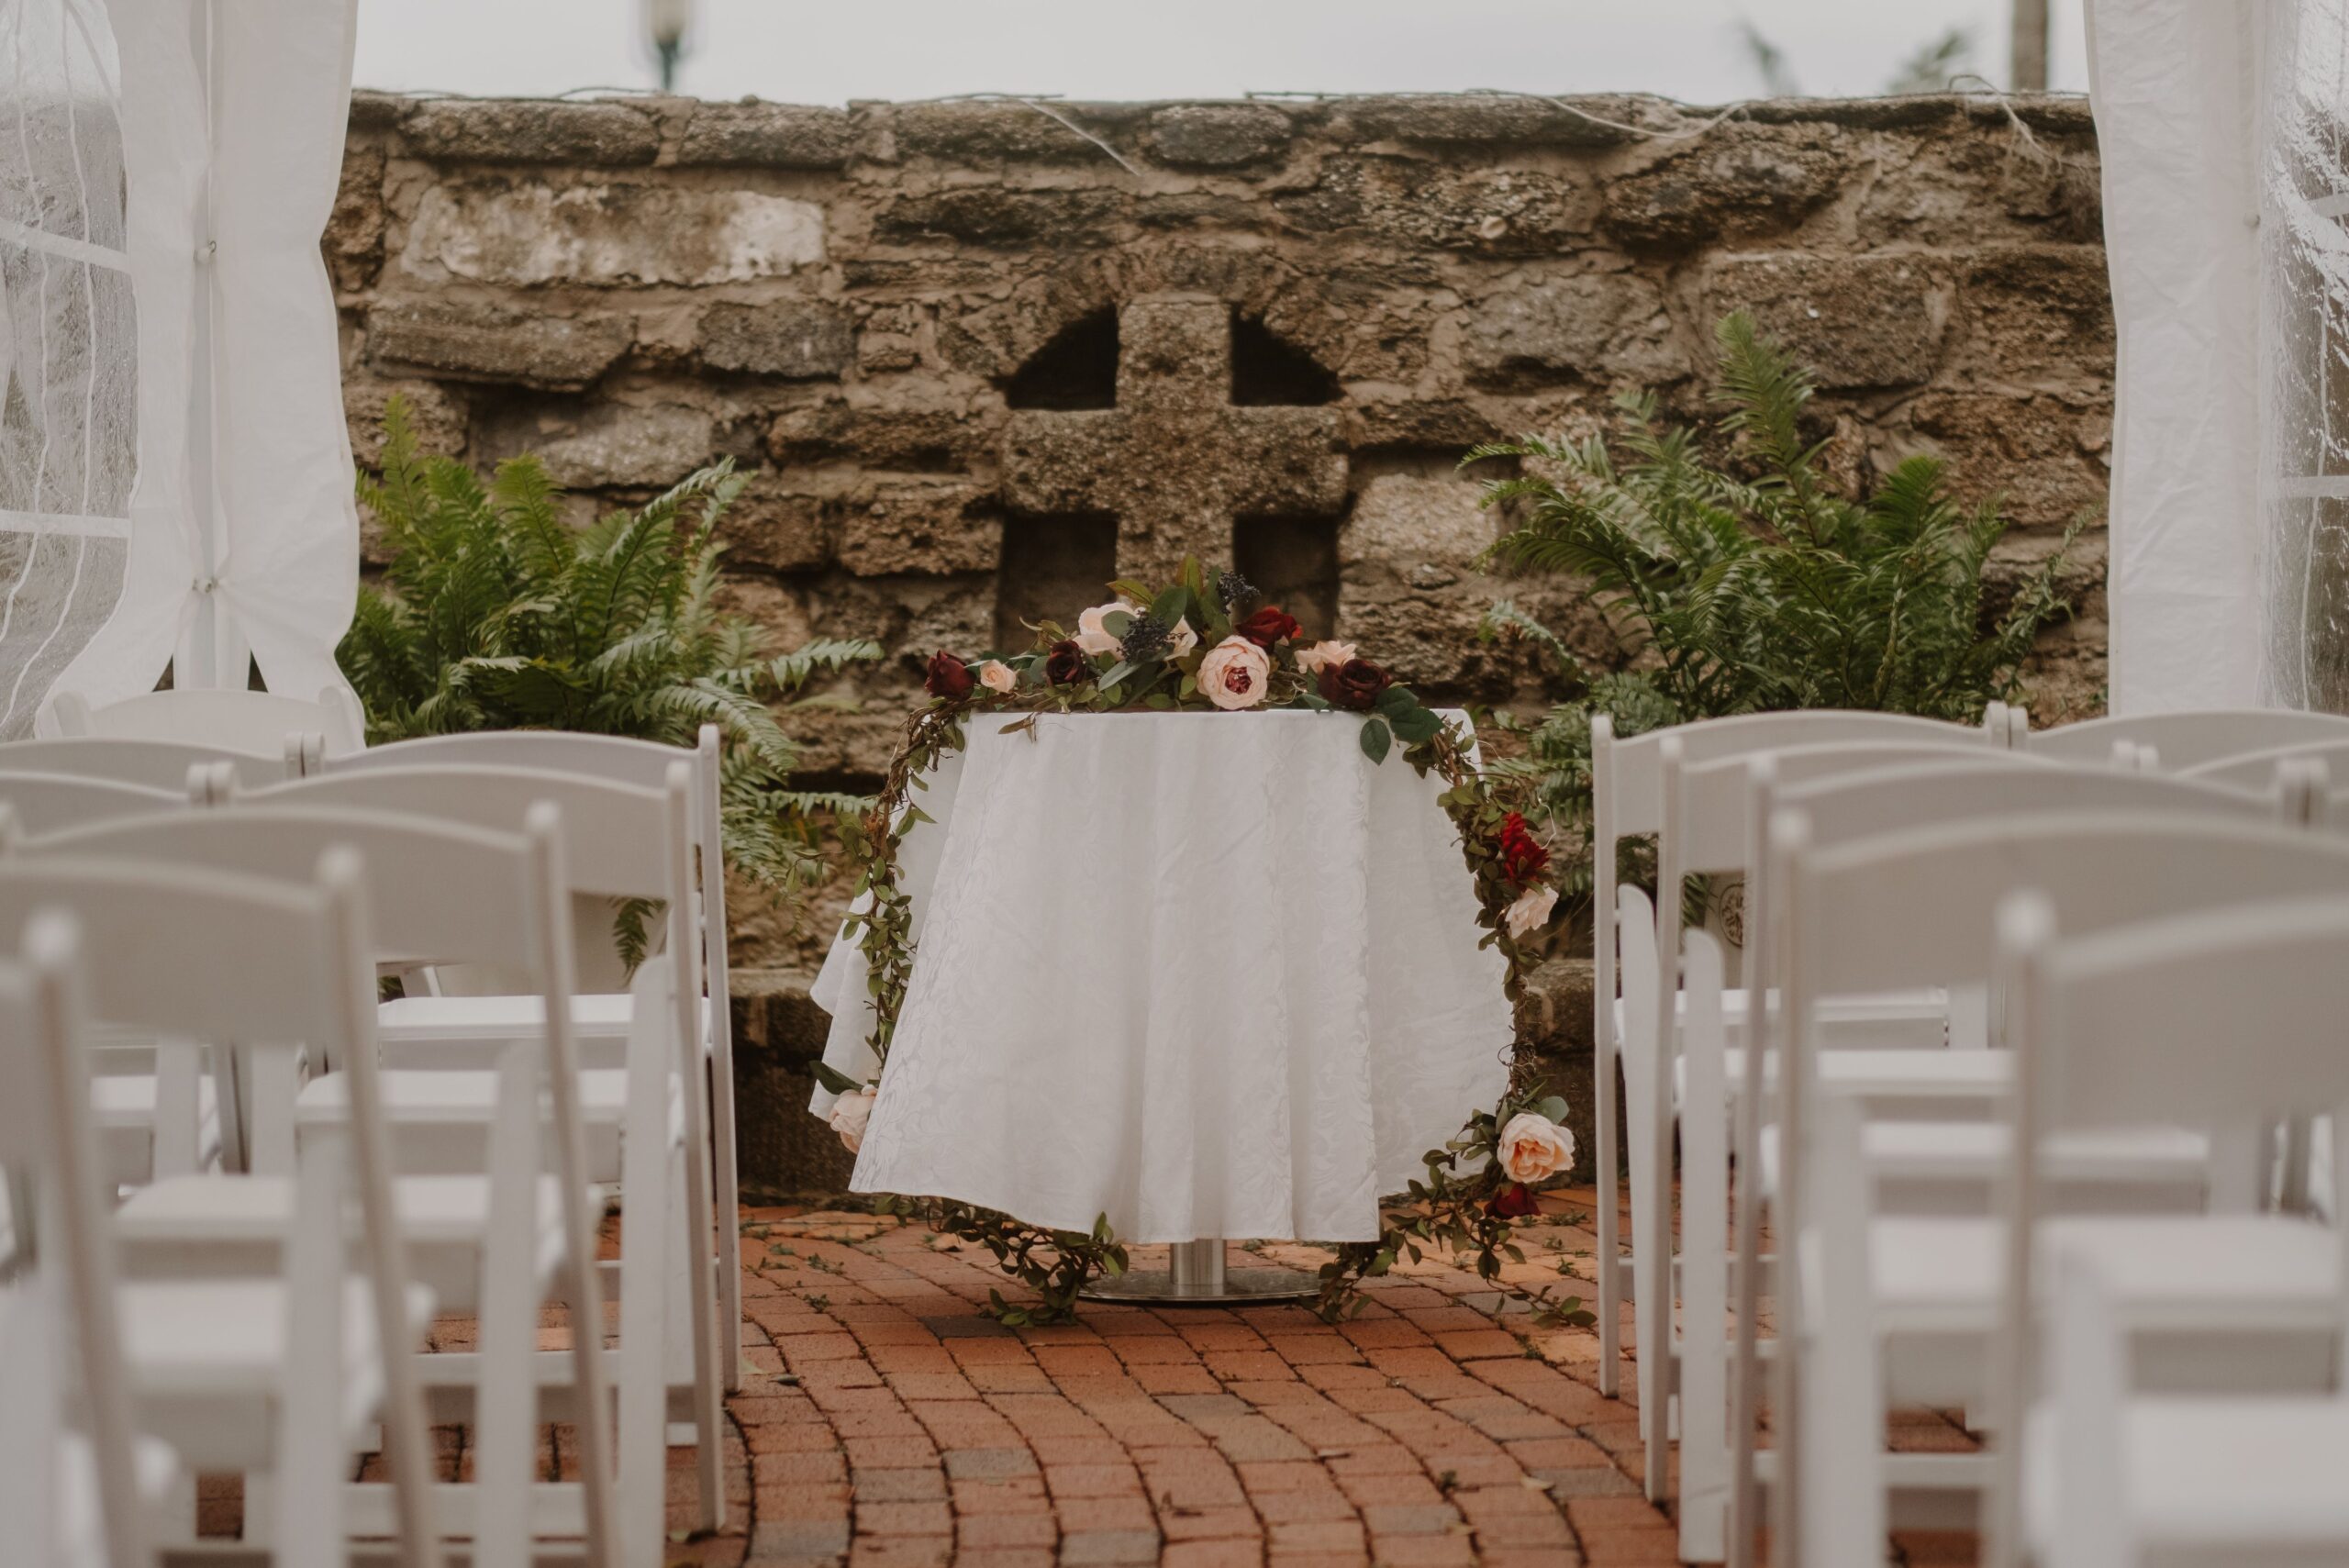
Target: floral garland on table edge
1206, 645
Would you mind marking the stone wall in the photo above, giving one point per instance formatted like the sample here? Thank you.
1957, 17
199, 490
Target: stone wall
981, 354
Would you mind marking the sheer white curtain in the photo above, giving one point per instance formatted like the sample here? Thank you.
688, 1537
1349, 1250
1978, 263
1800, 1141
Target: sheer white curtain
68, 430
2174, 85
243, 538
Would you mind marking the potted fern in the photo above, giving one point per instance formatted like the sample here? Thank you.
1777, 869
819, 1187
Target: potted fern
1751, 585
493, 614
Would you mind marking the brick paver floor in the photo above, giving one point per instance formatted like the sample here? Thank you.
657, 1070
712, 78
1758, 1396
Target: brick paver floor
889, 1424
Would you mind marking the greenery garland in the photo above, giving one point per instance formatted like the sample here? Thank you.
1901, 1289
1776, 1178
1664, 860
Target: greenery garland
1195, 645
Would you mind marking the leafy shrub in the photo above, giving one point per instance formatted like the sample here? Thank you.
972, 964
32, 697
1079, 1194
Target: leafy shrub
1753, 587
493, 614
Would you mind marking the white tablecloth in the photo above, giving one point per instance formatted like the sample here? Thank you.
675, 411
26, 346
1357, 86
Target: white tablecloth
1211, 975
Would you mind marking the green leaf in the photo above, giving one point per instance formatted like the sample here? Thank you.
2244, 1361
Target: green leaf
837, 1082
1397, 699
1376, 739
1169, 606
1553, 1108
1116, 672
1416, 727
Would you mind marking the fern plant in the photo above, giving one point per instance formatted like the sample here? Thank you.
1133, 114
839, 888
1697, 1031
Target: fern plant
493, 614
1754, 587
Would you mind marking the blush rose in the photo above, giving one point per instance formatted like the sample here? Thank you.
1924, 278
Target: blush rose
850, 1113
1235, 673
997, 677
1534, 1149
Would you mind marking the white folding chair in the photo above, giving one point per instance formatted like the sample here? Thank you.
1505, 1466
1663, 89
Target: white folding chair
279, 1378
1912, 1300
131, 760
1626, 792
2191, 739
619, 841
645, 764
75, 1491
48, 803
498, 1243
2227, 1014
256, 722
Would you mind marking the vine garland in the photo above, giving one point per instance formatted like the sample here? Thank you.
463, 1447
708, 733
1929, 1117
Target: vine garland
1192, 646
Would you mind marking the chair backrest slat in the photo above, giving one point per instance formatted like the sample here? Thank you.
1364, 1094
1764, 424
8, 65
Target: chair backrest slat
251, 721
615, 840
461, 893
1919, 908
1631, 771
157, 765
2189, 738
1715, 802
1867, 804
49, 803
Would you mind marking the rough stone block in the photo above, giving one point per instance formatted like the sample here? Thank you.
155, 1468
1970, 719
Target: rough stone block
1854, 321
769, 136
798, 339
1595, 327
988, 131
1414, 203
608, 445
604, 234
778, 528
512, 130
474, 342
927, 529
1736, 180
1444, 425
779, 1036
354, 237
1406, 522
2040, 315
1218, 136
911, 439
1478, 120
435, 416
1004, 220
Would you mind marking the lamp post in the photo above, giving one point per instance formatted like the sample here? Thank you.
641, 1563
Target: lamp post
666, 23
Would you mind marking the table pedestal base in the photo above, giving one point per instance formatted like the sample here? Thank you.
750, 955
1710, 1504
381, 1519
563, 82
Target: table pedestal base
1195, 1274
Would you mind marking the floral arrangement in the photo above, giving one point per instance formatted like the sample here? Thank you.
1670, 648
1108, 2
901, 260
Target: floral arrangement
1211, 644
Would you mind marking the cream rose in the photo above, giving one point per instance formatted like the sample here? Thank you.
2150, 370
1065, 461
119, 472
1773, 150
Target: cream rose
1181, 641
1534, 1149
1314, 658
1091, 635
1235, 673
1530, 912
850, 1112
997, 677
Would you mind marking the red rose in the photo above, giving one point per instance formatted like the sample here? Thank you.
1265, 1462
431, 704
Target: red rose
1354, 685
1268, 626
1523, 856
947, 677
1065, 664
1515, 1201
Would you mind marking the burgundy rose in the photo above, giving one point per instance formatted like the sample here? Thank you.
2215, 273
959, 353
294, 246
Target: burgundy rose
1515, 1201
1268, 626
1065, 663
947, 677
1354, 685
1523, 856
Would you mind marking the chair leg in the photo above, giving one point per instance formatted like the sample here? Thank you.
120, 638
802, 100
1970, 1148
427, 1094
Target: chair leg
1610, 1193
729, 1205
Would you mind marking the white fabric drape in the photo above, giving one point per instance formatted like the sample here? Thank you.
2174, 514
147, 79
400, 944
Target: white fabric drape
244, 536
2174, 85
68, 429
1208, 974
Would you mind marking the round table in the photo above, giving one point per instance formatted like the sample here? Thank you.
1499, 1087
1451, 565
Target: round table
1208, 974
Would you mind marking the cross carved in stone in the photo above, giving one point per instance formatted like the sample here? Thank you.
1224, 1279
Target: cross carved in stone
1176, 463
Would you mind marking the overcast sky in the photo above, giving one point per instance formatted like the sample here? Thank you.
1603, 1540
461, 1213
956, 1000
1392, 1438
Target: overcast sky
822, 52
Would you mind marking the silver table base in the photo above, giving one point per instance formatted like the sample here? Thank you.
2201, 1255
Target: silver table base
1194, 1275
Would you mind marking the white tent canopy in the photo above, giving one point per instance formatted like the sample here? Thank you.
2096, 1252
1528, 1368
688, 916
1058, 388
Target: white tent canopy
243, 537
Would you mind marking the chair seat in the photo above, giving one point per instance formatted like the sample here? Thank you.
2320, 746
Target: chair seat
450, 1031
1882, 1074
2245, 1274
439, 1116
122, 1108
1892, 1007
2241, 1477
204, 1357
1975, 1152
